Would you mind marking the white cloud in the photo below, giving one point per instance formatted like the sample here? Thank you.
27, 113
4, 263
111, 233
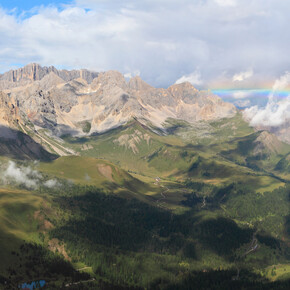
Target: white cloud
51, 183
162, 39
275, 113
21, 175
194, 78
129, 75
282, 82
239, 77
26, 176
242, 94
242, 103
226, 3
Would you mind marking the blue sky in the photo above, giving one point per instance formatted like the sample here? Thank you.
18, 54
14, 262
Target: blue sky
28, 4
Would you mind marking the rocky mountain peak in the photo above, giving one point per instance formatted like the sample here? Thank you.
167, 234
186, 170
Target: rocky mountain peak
50, 80
137, 84
267, 141
62, 100
30, 72
180, 91
110, 79
35, 72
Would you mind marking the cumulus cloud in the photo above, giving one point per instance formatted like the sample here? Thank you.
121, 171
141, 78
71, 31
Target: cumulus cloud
129, 75
282, 82
242, 103
52, 183
275, 113
162, 39
22, 175
242, 94
194, 78
26, 176
239, 77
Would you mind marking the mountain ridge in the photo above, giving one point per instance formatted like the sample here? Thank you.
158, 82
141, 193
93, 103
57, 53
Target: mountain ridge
35, 72
63, 100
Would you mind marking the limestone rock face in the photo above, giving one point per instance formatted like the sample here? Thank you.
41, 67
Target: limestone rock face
34, 72
9, 116
66, 101
137, 84
30, 72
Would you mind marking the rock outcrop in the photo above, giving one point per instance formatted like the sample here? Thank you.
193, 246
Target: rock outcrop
35, 72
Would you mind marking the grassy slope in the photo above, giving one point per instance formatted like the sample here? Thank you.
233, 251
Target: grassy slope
98, 172
17, 208
172, 156
188, 153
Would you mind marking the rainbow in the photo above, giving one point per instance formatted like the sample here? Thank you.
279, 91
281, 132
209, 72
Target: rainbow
250, 97
249, 93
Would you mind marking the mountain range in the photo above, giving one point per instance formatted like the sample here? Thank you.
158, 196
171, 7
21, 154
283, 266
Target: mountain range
83, 102
109, 183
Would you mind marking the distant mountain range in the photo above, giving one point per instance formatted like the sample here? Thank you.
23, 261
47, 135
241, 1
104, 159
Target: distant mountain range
82, 102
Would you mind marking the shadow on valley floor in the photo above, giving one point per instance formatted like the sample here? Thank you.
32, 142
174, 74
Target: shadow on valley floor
224, 280
132, 225
75, 140
17, 145
93, 137
223, 236
287, 225
28, 262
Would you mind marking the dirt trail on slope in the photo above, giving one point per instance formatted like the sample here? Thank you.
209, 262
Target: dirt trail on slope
163, 196
253, 246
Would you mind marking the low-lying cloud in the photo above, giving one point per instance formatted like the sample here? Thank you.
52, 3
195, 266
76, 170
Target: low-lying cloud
242, 103
52, 183
275, 113
241, 95
21, 175
26, 176
282, 82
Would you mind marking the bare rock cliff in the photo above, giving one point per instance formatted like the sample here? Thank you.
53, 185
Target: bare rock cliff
65, 100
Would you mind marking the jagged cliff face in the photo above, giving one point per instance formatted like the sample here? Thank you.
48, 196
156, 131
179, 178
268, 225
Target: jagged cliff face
35, 72
66, 101
9, 116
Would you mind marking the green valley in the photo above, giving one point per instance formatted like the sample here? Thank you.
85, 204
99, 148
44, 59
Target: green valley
144, 208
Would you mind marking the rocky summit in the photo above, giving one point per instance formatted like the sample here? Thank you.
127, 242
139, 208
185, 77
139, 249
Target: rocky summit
82, 102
